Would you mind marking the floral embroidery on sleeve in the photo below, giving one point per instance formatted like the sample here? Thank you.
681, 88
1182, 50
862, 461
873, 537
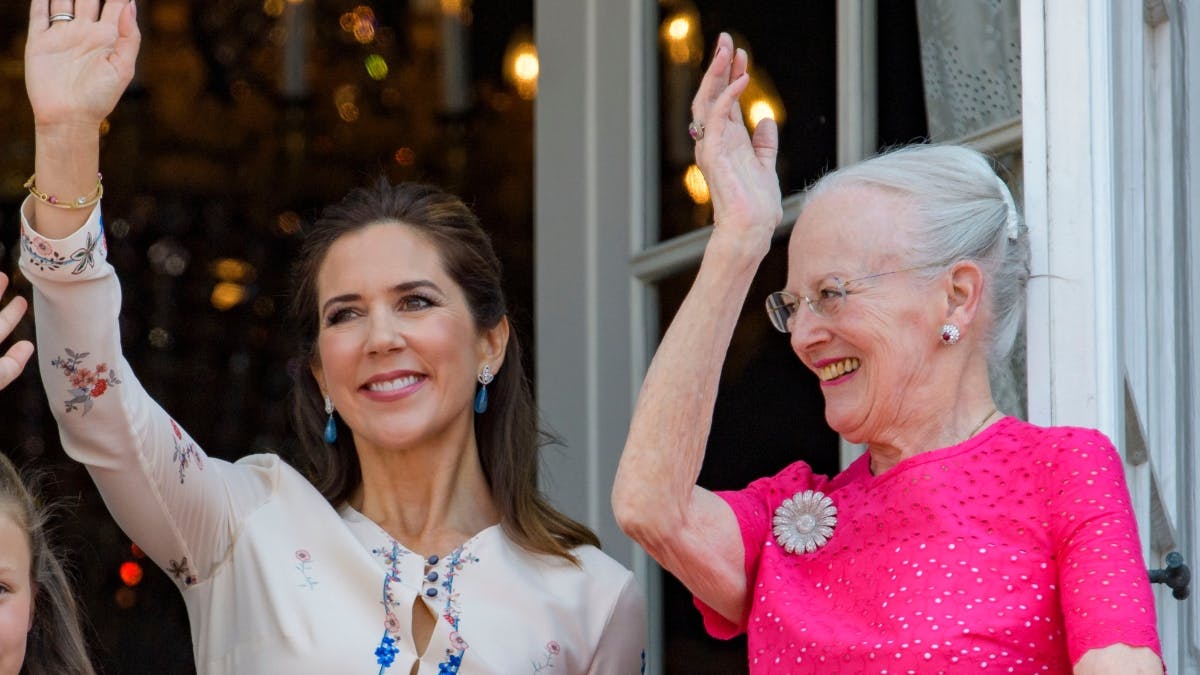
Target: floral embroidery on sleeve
181, 572
552, 650
185, 452
305, 559
86, 384
44, 257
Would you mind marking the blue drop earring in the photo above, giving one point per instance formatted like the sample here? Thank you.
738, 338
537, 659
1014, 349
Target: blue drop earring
330, 426
481, 397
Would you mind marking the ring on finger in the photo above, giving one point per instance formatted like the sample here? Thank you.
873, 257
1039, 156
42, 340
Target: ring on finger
62, 16
696, 130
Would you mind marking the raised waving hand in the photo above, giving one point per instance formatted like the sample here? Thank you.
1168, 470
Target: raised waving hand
690, 531
79, 57
76, 69
739, 168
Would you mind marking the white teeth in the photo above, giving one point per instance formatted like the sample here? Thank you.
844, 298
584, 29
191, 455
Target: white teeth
393, 385
838, 368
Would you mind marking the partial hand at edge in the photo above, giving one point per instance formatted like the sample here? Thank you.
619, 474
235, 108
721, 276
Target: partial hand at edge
14, 360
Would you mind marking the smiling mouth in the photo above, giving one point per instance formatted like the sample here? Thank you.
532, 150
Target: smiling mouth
838, 368
385, 386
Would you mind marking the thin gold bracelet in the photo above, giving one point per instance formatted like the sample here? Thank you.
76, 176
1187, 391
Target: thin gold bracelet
79, 203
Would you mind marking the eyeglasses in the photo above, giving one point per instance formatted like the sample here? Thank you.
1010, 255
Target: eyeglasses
830, 297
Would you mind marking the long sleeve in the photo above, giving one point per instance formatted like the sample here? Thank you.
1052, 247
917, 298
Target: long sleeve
622, 646
180, 506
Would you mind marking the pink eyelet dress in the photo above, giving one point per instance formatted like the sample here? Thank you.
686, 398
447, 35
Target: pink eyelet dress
1015, 551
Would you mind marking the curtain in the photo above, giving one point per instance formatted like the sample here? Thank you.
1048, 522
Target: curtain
971, 63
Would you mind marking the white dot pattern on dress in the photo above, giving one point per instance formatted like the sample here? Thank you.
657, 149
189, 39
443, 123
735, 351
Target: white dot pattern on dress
1016, 551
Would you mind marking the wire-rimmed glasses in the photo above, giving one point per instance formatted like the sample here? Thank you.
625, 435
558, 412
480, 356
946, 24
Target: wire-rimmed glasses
829, 298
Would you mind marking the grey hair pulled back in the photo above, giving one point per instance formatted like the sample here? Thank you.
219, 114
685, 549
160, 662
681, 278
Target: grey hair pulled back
965, 212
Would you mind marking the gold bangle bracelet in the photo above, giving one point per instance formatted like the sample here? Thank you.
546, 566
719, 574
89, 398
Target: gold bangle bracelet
81, 202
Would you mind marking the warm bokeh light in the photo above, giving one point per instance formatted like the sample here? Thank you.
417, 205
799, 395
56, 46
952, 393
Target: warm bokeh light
227, 295
760, 110
377, 67
125, 597
697, 187
273, 7
452, 7
526, 67
233, 269
761, 100
521, 66
288, 222
406, 156
131, 573
681, 36
360, 23
345, 98
678, 28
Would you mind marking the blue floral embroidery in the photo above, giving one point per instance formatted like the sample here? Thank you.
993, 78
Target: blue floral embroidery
86, 384
185, 452
458, 646
43, 256
305, 559
552, 650
385, 653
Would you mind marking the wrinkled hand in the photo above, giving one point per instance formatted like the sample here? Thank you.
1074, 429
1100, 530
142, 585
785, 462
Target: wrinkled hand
75, 71
739, 169
14, 360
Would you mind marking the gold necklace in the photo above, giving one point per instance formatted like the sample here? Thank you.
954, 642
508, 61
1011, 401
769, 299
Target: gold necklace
982, 422
993, 411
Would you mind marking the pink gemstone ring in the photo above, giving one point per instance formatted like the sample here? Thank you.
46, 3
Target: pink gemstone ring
696, 130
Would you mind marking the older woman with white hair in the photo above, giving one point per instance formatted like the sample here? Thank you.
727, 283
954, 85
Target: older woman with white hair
963, 538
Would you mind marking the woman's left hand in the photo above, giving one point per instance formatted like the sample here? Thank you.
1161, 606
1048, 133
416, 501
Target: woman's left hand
14, 360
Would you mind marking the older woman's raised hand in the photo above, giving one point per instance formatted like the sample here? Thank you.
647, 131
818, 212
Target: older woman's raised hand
14, 360
76, 69
739, 169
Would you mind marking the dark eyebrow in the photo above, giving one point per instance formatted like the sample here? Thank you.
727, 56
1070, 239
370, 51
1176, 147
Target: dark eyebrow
397, 289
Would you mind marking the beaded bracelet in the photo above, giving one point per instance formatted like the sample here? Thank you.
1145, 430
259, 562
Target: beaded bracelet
77, 204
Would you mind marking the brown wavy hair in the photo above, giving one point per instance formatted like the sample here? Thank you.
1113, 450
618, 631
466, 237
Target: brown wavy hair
56, 645
507, 435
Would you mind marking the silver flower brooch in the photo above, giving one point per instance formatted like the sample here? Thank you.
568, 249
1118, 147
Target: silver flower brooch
804, 522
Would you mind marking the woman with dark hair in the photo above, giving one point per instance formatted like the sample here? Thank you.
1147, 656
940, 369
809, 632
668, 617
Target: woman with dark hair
40, 631
421, 544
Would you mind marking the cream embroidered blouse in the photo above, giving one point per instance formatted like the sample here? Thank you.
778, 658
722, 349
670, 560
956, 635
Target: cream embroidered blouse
274, 578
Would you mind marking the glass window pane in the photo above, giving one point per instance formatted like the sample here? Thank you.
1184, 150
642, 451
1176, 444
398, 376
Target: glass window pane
769, 413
